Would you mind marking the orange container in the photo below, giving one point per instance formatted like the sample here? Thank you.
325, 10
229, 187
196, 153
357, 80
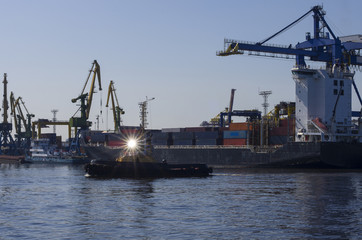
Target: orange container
239, 126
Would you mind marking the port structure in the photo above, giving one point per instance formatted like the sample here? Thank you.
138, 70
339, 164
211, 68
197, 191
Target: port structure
323, 108
54, 111
7, 143
22, 122
143, 112
265, 105
252, 115
81, 124
117, 111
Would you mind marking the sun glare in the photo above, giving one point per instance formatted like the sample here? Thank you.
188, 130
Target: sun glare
132, 143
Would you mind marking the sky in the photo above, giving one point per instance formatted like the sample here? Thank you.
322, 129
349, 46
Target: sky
154, 49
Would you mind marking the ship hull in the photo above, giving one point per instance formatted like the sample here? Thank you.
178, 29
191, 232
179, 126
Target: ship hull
342, 155
295, 154
113, 169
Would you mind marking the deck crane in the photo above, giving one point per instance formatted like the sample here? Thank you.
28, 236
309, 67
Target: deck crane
81, 123
340, 55
23, 137
117, 111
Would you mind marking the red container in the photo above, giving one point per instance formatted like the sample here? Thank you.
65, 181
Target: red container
234, 142
116, 143
197, 129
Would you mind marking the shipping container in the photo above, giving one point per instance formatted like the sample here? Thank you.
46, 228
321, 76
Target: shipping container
116, 143
234, 142
51, 136
235, 134
282, 131
284, 122
240, 126
201, 129
186, 142
161, 135
173, 130
160, 142
208, 142
183, 135
206, 135
221, 129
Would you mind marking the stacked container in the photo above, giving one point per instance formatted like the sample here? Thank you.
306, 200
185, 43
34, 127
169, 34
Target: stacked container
161, 138
237, 134
183, 138
279, 135
207, 136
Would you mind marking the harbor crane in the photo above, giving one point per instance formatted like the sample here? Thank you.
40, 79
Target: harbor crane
81, 123
343, 52
117, 111
7, 143
341, 55
21, 121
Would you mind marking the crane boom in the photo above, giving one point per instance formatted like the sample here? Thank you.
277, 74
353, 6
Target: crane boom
117, 111
86, 103
342, 51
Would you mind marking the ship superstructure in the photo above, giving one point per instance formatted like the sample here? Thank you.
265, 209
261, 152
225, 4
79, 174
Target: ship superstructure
324, 105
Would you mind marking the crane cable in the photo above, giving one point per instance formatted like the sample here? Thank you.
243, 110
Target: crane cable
287, 27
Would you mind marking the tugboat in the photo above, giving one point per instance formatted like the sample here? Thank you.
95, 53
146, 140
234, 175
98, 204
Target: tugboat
136, 164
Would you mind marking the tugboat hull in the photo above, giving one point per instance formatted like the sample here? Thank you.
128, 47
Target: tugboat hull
112, 169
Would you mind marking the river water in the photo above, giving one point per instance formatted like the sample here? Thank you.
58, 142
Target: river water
40, 201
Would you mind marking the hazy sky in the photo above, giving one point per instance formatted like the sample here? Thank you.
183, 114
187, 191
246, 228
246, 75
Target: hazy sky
161, 49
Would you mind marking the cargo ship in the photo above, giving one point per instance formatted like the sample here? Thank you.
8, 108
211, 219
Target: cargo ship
319, 129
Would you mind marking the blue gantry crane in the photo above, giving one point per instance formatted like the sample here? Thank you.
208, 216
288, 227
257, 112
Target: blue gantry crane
323, 46
343, 51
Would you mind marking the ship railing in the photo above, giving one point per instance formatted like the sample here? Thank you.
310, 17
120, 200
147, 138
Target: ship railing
251, 147
199, 146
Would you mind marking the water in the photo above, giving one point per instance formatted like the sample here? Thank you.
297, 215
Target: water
58, 202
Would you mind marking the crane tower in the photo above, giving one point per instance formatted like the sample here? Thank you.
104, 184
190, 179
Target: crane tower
54, 111
265, 104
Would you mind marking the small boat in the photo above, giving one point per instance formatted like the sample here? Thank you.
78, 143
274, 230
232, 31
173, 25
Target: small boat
41, 151
6, 159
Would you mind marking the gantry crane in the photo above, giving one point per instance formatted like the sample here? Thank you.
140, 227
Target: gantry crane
81, 123
320, 47
117, 111
340, 54
23, 137
340, 51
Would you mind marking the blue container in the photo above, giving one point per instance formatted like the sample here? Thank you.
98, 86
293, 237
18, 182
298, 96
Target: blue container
235, 134
208, 142
160, 135
206, 135
182, 135
160, 142
187, 142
